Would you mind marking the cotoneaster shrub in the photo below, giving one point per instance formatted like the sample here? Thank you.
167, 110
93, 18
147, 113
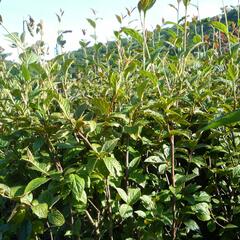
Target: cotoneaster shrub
115, 145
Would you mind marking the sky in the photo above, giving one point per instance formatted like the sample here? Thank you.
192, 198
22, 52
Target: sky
14, 12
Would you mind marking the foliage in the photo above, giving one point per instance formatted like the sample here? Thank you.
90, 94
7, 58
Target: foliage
113, 147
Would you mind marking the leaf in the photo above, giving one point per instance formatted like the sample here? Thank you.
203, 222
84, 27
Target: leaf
141, 213
231, 226
109, 145
119, 18
25, 72
145, 5
134, 195
113, 166
38, 69
125, 211
211, 226
184, 178
133, 34
101, 105
122, 194
230, 118
40, 210
35, 183
220, 26
141, 88
36, 165
77, 185
202, 211
4, 190
91, 22
186, 2
191, 225
67, 64
64, 105
153, 159
56, 218
202, 196
236, 171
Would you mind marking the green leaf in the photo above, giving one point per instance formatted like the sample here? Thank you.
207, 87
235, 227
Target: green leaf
64, 104
133, 34
186, 2
4, 190
197, 39
134, 195
40, 210
77, 184
91, 22
113, 166
236, 171
109, 145
56, 218
211, 226
36, 165
145, 5
122, 194
35, 183
220, 26
154, 160
38, 69
202, 211
101, 105
141, 213
231, 226
191, 225
125, 211
202, 196
230, 118
25, 72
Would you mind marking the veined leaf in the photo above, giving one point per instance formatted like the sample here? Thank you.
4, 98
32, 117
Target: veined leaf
35, 183
56, 218
109, 145
125, 211
230, 118
145, 5
91, 22
77, 185
220, 26
4, 190
134, 34
134, 195
122, 194
202, 211
36, 165
113, 166
40, 210
25, 72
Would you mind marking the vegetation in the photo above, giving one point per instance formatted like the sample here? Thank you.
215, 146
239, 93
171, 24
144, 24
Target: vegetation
137, 139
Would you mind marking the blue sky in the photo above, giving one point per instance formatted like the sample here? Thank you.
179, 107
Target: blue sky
76, 11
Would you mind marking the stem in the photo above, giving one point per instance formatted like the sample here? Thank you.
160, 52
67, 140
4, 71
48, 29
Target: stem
185, 30
174, 227
226, 22
127, 166
238, 15
95, 225
108, 198
53, 154
50, 231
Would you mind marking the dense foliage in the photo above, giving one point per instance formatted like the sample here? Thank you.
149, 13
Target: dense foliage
115, 145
